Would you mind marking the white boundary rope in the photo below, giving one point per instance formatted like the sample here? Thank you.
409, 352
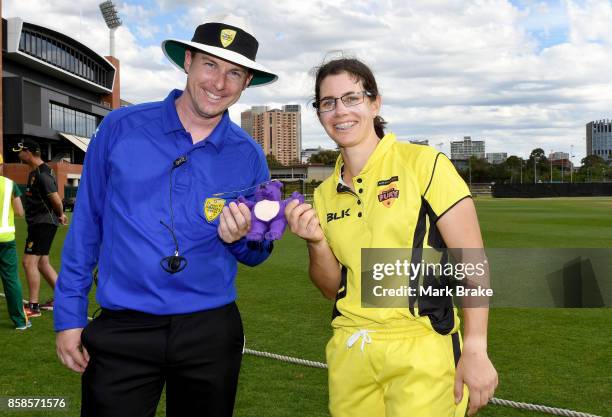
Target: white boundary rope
288, 359
496, 401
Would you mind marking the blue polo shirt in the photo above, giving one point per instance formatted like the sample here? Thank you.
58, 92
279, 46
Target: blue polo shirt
123, 195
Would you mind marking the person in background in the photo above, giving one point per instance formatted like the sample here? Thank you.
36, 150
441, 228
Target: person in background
10, 196
44, 213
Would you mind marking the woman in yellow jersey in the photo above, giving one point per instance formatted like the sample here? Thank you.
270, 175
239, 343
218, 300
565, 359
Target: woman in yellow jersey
391, 362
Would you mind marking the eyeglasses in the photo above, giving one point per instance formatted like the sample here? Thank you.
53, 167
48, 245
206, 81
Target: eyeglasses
349, 100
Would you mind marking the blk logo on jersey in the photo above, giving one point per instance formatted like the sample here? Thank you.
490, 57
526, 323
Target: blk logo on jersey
337, 216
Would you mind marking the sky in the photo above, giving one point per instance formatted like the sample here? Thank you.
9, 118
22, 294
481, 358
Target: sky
518, 74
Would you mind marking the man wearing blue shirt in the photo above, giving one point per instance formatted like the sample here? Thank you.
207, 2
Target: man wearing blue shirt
154, 211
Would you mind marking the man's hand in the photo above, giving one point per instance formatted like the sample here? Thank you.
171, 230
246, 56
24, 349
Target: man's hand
63, 219
235, 222
303, 221
477, 372
70, 352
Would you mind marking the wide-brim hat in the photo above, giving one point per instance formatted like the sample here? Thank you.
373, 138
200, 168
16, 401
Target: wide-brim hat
228, 38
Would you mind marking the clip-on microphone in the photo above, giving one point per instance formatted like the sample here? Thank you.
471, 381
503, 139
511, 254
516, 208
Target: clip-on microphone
173, 263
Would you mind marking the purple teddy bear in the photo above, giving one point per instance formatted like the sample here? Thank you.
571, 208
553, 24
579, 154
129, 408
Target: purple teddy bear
268, 211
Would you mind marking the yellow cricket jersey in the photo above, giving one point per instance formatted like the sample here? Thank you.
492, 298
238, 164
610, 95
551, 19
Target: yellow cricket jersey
399, 195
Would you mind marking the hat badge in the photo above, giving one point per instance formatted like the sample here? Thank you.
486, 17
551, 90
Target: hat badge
227, 37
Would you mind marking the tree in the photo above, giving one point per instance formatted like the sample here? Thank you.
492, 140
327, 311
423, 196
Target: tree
325, 157
540, 156
514, 165
295, 162
513, 161
538, 153
480, 169
499, 173
543, 167
593, 169
592, 161
477, 170
272, 161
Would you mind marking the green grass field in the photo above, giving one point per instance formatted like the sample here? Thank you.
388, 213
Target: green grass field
555, 357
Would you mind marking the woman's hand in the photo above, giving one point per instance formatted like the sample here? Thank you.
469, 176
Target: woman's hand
477, 372
303, 221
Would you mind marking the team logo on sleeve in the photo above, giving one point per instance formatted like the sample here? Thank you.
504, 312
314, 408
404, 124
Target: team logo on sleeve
227, 37
390, 192
212, 208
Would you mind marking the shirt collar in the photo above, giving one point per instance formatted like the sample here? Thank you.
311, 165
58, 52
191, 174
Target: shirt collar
170, 118
342, 186
172, 122
340, 177
383, 146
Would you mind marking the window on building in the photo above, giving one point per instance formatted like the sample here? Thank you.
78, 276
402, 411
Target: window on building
91, 124
57, 117
72, 121
32, 44
66, 56
80, 124
88, 68
62, 55
79, 65
28, 43
82, 66
46, 50
51, 51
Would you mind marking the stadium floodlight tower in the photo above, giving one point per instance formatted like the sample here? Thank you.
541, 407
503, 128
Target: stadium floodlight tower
109, 12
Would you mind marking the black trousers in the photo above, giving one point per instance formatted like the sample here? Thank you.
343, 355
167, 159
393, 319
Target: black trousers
132, 355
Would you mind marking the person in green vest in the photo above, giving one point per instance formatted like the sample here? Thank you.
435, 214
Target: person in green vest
10, 204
